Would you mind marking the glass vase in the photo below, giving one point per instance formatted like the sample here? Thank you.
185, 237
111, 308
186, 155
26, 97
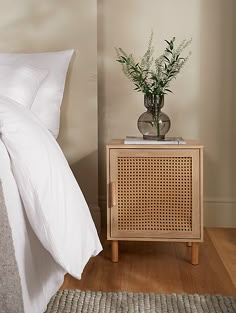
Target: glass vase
154, 124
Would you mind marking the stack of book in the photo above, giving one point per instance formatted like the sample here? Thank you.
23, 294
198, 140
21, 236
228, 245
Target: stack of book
130, 140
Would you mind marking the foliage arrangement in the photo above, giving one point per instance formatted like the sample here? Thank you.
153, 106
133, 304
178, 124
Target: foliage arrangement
152, 76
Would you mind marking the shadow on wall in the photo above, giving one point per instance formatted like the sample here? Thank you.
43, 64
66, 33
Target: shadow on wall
101, 110
216, 105
64, 122
234, 115
85, 172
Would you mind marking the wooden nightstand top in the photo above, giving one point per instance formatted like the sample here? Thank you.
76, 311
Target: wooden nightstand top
119, 143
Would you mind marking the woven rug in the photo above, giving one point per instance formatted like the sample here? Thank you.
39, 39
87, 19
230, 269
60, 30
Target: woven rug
76, 301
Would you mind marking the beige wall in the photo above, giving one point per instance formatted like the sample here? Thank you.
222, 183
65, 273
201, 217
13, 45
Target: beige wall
35, 26
203, 103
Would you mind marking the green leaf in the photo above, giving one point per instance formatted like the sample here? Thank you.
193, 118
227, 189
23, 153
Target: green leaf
166, 89
154, 78
174, 72
148, 79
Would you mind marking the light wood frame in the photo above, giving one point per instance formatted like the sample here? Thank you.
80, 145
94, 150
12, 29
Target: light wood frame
190, 151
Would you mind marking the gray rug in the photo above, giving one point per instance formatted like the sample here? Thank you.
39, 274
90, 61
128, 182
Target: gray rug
10, 286
76, 301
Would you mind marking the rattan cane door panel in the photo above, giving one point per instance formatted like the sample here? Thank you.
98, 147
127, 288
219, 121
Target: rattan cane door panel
156, 193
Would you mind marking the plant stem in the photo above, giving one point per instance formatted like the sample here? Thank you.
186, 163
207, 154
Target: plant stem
156, 116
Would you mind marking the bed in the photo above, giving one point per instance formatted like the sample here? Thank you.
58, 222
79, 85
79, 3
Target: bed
48, 222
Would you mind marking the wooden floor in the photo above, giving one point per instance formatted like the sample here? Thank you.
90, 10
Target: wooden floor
164, 267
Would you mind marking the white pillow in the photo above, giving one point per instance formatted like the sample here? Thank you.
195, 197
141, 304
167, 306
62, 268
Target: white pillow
21, 83
53, 201
48, 99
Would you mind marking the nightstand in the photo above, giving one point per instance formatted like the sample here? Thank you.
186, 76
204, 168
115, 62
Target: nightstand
155, 193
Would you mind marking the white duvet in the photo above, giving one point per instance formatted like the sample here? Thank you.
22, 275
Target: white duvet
64, 236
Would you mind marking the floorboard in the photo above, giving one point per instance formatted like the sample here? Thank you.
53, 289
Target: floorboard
224, 240
160, 267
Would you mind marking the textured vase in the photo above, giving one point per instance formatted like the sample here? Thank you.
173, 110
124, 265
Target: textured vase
154, 124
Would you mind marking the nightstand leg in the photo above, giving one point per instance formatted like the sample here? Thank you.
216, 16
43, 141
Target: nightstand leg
189, 244
195, 253
114, 251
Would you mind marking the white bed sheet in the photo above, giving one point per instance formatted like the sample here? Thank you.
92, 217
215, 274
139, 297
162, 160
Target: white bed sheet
40, 275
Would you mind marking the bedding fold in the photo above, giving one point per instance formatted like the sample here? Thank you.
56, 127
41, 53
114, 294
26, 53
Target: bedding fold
53, 231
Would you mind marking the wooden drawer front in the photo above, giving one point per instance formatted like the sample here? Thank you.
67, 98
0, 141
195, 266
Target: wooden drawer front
156, 193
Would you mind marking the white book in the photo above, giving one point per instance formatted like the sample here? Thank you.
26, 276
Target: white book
131, 140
